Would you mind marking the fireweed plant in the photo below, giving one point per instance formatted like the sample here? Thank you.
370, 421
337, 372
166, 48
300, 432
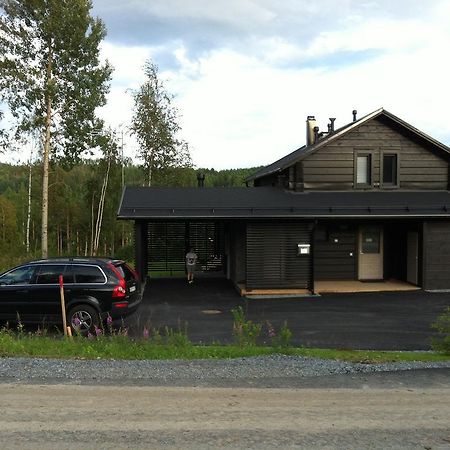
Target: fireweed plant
112, 342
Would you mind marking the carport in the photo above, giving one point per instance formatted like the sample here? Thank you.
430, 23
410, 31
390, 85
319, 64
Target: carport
270, 239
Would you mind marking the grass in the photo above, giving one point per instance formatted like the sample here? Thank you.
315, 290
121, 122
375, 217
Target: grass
121, 347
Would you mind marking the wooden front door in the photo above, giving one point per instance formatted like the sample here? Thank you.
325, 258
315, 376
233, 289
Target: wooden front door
370, 257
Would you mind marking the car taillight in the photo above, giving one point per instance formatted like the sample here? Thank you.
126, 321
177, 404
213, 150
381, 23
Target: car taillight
119, 291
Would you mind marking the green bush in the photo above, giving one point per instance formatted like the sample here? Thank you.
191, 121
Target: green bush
442, 325
245, 332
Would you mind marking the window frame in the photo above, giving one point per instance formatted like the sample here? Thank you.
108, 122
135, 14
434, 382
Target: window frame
370, 155
384, 185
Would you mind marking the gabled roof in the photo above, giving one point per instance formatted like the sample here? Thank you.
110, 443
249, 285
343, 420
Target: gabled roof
304, 151
267, 202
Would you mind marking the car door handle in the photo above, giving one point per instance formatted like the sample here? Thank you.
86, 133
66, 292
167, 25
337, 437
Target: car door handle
23, 291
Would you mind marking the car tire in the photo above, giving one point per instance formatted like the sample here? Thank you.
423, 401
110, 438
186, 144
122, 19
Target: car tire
83, 319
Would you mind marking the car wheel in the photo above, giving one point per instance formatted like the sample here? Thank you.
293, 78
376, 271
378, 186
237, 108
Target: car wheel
83, 319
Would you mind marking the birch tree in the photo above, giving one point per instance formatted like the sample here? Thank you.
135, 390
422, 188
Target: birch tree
155, 125
51, 77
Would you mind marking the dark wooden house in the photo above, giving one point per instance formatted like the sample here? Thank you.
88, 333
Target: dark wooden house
368, 201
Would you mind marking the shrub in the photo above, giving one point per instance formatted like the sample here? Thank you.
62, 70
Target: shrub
245, 332
282, 339
442, 325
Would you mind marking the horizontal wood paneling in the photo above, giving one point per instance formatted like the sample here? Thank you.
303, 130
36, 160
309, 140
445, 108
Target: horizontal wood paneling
272, 260
331, 167
332, 260
436, 255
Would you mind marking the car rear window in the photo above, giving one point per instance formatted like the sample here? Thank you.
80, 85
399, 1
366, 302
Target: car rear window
88, 274
126, 272
49, 274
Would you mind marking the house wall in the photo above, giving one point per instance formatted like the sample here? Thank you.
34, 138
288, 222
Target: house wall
436, 255
335, 251
237, 254
332, 167
272, 255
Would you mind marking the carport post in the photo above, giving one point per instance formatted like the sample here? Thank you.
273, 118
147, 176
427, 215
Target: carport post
141, 248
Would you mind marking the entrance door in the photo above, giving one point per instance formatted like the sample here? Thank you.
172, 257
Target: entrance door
370, 261
412, 259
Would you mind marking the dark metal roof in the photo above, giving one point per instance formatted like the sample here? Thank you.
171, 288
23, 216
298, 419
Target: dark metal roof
304, 151
268, 202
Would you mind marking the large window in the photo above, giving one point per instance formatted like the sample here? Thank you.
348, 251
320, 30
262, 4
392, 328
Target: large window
390, 165
364, 170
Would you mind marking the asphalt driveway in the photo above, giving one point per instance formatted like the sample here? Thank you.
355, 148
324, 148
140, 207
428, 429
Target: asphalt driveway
383, 321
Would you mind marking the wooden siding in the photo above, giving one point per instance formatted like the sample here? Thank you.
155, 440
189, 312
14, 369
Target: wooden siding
335, 260
436, 255
237, 252
332, 167
272, 259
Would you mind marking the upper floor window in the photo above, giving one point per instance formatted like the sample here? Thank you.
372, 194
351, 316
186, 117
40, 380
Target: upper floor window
390, 169
364, 170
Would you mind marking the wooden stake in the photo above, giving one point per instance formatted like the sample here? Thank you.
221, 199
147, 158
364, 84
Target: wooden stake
63, 304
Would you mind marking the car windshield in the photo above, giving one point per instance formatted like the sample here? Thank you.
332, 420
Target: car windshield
21, 275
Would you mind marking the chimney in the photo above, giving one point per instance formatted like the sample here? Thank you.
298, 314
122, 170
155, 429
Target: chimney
316, 134
201, 180
354, 112
331, 125
310, 135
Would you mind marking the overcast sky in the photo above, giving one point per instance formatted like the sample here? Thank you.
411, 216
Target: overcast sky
246, 73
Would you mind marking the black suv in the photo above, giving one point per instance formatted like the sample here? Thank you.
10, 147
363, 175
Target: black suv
93, 289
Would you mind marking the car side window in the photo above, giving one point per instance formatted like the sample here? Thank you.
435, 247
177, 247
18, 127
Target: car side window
88, 274
49, 274
21, 275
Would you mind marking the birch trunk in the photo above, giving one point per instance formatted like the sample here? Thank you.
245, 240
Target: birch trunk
101, 206
29, 209
46, 157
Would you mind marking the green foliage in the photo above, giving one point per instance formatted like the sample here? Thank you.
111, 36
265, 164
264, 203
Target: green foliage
442, 325
155, 125
74, 194
50, 63
282, 339
245, 332
119, 346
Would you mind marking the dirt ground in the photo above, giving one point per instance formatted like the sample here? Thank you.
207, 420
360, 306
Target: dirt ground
75, 416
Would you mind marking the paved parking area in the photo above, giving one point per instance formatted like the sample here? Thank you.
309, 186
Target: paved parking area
384, 321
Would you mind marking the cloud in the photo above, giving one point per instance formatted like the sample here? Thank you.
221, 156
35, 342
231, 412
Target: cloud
245, 81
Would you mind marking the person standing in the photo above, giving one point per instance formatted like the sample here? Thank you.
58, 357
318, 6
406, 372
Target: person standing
191, 261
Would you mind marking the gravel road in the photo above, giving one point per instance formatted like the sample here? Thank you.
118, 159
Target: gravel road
253, 403
105, 417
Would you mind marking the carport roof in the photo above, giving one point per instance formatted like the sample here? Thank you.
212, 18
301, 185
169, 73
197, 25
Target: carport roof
267, 202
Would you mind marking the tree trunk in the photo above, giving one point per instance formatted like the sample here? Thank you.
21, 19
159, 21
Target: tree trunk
29, 209
91, 252
101, 206
46, 157
68, 243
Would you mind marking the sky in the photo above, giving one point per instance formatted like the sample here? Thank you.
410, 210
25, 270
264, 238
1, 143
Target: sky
247, 73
